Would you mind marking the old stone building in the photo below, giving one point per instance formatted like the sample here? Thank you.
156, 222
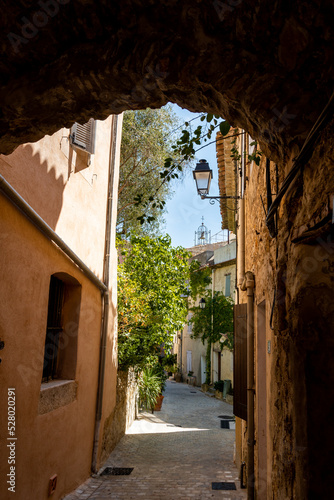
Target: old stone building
283, 321
220, 258
266, 68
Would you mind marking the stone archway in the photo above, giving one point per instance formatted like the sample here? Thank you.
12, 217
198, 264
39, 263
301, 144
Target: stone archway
265, 66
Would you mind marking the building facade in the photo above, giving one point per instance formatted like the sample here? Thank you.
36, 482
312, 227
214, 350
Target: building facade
283, 319
58, 270
220, 259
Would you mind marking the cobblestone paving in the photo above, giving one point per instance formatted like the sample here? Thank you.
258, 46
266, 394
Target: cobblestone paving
176, 453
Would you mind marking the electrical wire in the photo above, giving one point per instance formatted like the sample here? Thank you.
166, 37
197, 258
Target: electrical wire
183, 125
304, 155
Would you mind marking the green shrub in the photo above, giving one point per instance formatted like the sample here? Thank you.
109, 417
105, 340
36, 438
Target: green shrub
159, 371
169, 360
219, 386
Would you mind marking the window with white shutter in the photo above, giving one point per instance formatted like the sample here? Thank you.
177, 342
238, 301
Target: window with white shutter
83, 136
227, 285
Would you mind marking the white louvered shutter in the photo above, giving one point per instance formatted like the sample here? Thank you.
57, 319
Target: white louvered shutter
83, 136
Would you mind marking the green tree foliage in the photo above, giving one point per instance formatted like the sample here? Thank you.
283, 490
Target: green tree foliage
210, 323
147, 139
152, 286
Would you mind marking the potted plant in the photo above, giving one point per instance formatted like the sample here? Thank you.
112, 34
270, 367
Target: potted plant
149, 388
191, 378
229, 396
178, 375
169, 363
219, 388
159, 371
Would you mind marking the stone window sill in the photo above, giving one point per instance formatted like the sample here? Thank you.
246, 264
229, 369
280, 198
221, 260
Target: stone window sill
55, 394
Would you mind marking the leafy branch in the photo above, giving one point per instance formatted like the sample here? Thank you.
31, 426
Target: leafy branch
255, 156
184, 151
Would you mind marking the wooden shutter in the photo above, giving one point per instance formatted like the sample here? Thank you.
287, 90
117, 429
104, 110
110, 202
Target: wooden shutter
227, 285
83, 136
240, 361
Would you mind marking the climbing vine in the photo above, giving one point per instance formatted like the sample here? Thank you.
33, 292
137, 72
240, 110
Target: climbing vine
255, 156
213, 324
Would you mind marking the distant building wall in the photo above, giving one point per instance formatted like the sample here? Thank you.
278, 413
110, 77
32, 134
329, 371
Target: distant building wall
221, 258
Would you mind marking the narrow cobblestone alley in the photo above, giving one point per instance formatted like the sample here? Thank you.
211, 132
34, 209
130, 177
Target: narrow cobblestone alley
175, 454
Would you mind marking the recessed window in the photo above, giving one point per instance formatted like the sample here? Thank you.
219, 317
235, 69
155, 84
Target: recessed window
53, 329
60, 350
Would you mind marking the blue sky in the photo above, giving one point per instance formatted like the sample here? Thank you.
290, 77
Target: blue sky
185, 209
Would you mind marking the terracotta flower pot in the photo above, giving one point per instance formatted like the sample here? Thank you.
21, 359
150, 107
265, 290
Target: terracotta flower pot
158, 403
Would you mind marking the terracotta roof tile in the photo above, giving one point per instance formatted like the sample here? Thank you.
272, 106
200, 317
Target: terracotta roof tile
226, 181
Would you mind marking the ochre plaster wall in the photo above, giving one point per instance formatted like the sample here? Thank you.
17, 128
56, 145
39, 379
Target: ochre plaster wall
59, 442
220, 278
110, 380
69, 198
72, 200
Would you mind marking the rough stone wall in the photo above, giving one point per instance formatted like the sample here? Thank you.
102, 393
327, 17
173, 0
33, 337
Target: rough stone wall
264, 67
261, 260
300, 265
123, 415
308, 310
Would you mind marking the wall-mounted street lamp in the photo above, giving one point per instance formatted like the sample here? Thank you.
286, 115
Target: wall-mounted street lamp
203, 175
202, 303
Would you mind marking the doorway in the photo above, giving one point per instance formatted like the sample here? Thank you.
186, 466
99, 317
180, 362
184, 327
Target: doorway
262, 399
189, 361
203, 369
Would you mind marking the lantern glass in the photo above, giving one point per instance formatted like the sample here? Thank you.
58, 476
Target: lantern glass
202, 175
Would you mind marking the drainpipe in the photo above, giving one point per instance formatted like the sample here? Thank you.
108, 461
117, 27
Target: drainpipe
241, 242
212, 293
248, 285
236, 300
115, 132
241, 218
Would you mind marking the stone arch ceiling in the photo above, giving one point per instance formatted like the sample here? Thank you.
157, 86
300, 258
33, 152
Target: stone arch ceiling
266, 66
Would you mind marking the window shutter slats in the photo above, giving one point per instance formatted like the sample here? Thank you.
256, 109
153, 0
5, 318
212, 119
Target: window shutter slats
83, 136
240, 361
